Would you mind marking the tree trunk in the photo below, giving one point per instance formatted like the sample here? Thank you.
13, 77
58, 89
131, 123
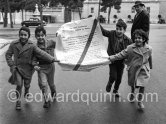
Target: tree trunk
41, 12
11, 21
109, 12
22, 14
79, 12
6, 11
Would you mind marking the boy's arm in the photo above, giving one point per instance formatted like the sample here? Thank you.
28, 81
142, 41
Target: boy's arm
44, 55
121, 55
9, 55
105, 33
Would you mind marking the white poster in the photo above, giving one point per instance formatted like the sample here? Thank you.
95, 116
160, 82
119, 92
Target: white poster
80, 46
4, 45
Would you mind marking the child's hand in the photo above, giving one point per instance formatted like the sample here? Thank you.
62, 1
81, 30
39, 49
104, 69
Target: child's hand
37, 68
111, 58
12, 68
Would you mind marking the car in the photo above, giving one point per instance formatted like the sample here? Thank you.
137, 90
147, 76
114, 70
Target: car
33, 22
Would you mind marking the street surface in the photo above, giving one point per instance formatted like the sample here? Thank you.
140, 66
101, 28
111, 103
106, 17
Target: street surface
81, 108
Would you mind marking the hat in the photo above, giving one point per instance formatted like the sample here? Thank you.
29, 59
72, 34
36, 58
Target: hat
137, 3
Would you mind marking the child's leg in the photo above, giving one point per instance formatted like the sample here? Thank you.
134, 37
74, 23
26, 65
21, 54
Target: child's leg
140, 98
19, 90
132, 95
141, 93
42, 80
19, 85
112, 76
51, 84
120, 67
27, 86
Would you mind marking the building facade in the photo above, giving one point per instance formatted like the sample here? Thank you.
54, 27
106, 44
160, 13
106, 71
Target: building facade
91, 7
127, 12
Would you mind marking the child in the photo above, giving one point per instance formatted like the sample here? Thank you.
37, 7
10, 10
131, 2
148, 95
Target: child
117, 41
22, 51
45, 69
137, 56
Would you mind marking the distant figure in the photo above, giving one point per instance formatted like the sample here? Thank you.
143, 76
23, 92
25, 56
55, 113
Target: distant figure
141, 19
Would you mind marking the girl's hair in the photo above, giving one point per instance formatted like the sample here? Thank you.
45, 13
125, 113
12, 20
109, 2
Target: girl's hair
141, 33
39, 29
25, 29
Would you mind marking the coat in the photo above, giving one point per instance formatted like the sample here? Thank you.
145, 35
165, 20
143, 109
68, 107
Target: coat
22, 57
136, 61
113, 46
142, 21
44, 65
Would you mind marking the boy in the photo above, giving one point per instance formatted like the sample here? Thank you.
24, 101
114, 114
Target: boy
22, 51
117, 41
45, 69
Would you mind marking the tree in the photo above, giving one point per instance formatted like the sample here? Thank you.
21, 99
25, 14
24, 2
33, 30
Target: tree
76, 5
109, 4
70, 4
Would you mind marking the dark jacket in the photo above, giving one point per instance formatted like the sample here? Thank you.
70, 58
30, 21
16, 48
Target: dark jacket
141, 22
22, 57
113, 45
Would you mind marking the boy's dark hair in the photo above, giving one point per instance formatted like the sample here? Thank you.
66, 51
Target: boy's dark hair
121, 23
25, 29
141, 33
39, 29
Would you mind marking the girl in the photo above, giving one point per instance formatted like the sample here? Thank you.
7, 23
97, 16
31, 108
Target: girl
137, 59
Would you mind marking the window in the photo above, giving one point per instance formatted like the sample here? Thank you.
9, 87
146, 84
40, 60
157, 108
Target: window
92, 10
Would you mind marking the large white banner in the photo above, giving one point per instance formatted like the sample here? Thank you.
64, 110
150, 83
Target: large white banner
80, 45
4, 45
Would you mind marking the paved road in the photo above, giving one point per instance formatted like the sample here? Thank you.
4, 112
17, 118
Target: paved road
87, 84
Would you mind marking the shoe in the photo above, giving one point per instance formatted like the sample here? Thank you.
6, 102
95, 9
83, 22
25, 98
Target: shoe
115, 92
132, 97
108, 87
47, 104
141, 105
18, 105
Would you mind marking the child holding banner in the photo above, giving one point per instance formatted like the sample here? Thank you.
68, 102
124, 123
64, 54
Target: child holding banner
117, 41
19, 58
45, 69
137, 56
